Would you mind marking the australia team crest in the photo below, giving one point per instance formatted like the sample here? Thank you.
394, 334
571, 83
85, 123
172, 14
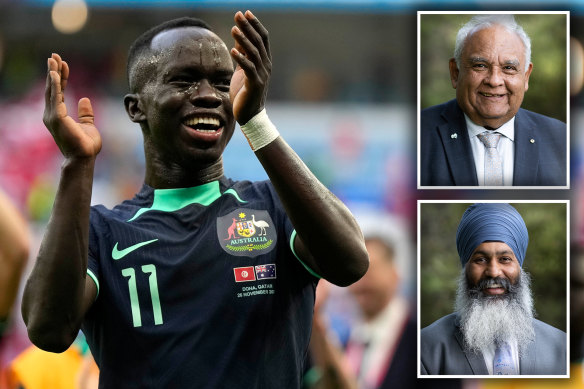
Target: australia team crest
245, 229
246, 232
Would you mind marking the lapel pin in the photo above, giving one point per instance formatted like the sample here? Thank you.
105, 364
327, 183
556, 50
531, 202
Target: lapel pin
532, 140
455, 135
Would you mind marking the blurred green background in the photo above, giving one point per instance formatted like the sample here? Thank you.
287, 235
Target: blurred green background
545, 259
547, 84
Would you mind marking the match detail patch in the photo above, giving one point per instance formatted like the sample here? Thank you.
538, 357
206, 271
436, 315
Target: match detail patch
244, 274
266, 271
257, 273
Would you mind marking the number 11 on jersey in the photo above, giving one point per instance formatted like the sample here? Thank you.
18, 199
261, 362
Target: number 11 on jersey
134, 303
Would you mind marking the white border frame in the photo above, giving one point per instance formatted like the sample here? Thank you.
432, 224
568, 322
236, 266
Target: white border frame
418, 98
418, 288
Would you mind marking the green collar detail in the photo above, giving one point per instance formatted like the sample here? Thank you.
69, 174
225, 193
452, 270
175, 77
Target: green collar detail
170, 200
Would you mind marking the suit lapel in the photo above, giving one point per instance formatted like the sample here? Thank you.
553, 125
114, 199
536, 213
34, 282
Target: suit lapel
476, 361
454, 136
526, 164
527, 361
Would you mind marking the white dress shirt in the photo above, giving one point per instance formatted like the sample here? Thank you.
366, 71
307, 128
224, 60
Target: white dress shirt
505, 148
382, 336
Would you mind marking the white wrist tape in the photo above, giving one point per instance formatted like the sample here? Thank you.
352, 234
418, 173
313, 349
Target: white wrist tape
259, 130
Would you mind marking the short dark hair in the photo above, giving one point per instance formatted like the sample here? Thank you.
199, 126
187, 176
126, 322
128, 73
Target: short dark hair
142, 44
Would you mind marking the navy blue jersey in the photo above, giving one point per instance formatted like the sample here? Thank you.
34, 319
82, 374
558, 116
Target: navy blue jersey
198, 288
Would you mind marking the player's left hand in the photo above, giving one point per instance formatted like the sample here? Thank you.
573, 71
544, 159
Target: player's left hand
249, 84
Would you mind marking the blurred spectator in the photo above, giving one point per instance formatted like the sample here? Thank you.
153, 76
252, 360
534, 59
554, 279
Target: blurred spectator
381, 349
38, 369
577, 303
14, 249
32, 368
328, 370
387, 319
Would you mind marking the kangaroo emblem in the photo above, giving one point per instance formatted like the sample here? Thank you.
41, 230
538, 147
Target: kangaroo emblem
231, 230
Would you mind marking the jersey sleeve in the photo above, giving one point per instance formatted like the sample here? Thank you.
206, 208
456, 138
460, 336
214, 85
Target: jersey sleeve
291, 239
288, 231
93, 250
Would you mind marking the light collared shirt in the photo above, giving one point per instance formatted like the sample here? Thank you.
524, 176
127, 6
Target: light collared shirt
382, 336
505, 148
489, 356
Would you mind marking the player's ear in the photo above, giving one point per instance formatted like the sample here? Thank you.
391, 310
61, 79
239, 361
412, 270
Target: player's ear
133, 108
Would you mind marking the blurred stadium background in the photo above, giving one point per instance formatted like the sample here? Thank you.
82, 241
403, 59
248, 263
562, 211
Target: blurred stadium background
340, 95
343, 93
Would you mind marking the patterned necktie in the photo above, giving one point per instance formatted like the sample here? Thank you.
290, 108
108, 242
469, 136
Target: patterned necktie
503, 363
493, 161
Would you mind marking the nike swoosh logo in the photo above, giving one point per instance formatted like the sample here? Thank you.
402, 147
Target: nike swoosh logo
117, 254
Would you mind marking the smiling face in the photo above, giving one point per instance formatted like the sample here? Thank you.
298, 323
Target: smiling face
492, 80
379, 285
186, 114
493, 266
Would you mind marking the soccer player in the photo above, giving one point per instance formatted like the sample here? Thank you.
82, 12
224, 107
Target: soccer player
198, 281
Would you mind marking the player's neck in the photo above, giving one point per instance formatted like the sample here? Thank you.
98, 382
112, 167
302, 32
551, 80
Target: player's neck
160, 176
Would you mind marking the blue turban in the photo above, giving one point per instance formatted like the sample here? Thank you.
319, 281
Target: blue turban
483, 222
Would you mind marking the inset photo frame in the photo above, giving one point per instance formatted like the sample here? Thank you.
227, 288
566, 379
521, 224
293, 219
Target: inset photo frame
492, 273
501, 73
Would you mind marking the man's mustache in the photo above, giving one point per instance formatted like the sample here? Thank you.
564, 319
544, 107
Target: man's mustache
493, 282
496, 282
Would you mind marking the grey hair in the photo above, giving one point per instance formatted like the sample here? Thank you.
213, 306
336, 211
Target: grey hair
480, 22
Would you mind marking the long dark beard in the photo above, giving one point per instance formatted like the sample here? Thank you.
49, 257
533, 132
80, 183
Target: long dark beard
485, 320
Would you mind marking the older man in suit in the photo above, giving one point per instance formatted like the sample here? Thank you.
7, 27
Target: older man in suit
483, 137
493, 330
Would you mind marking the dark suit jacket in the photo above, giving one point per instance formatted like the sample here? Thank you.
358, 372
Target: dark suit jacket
402, 371
446, 154
442, 352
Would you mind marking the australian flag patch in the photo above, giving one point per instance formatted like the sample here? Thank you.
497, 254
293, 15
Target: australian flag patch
265, 271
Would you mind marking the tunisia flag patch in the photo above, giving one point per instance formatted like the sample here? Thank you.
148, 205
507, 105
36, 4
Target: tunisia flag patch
244, 274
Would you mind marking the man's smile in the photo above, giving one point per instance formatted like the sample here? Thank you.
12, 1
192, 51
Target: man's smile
485, 94
494, 286
203, 127
494, 289
203, 123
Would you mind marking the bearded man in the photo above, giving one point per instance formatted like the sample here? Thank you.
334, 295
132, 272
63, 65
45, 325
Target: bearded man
493, 330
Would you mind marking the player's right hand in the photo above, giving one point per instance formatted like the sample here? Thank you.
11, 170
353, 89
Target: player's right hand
75, 139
